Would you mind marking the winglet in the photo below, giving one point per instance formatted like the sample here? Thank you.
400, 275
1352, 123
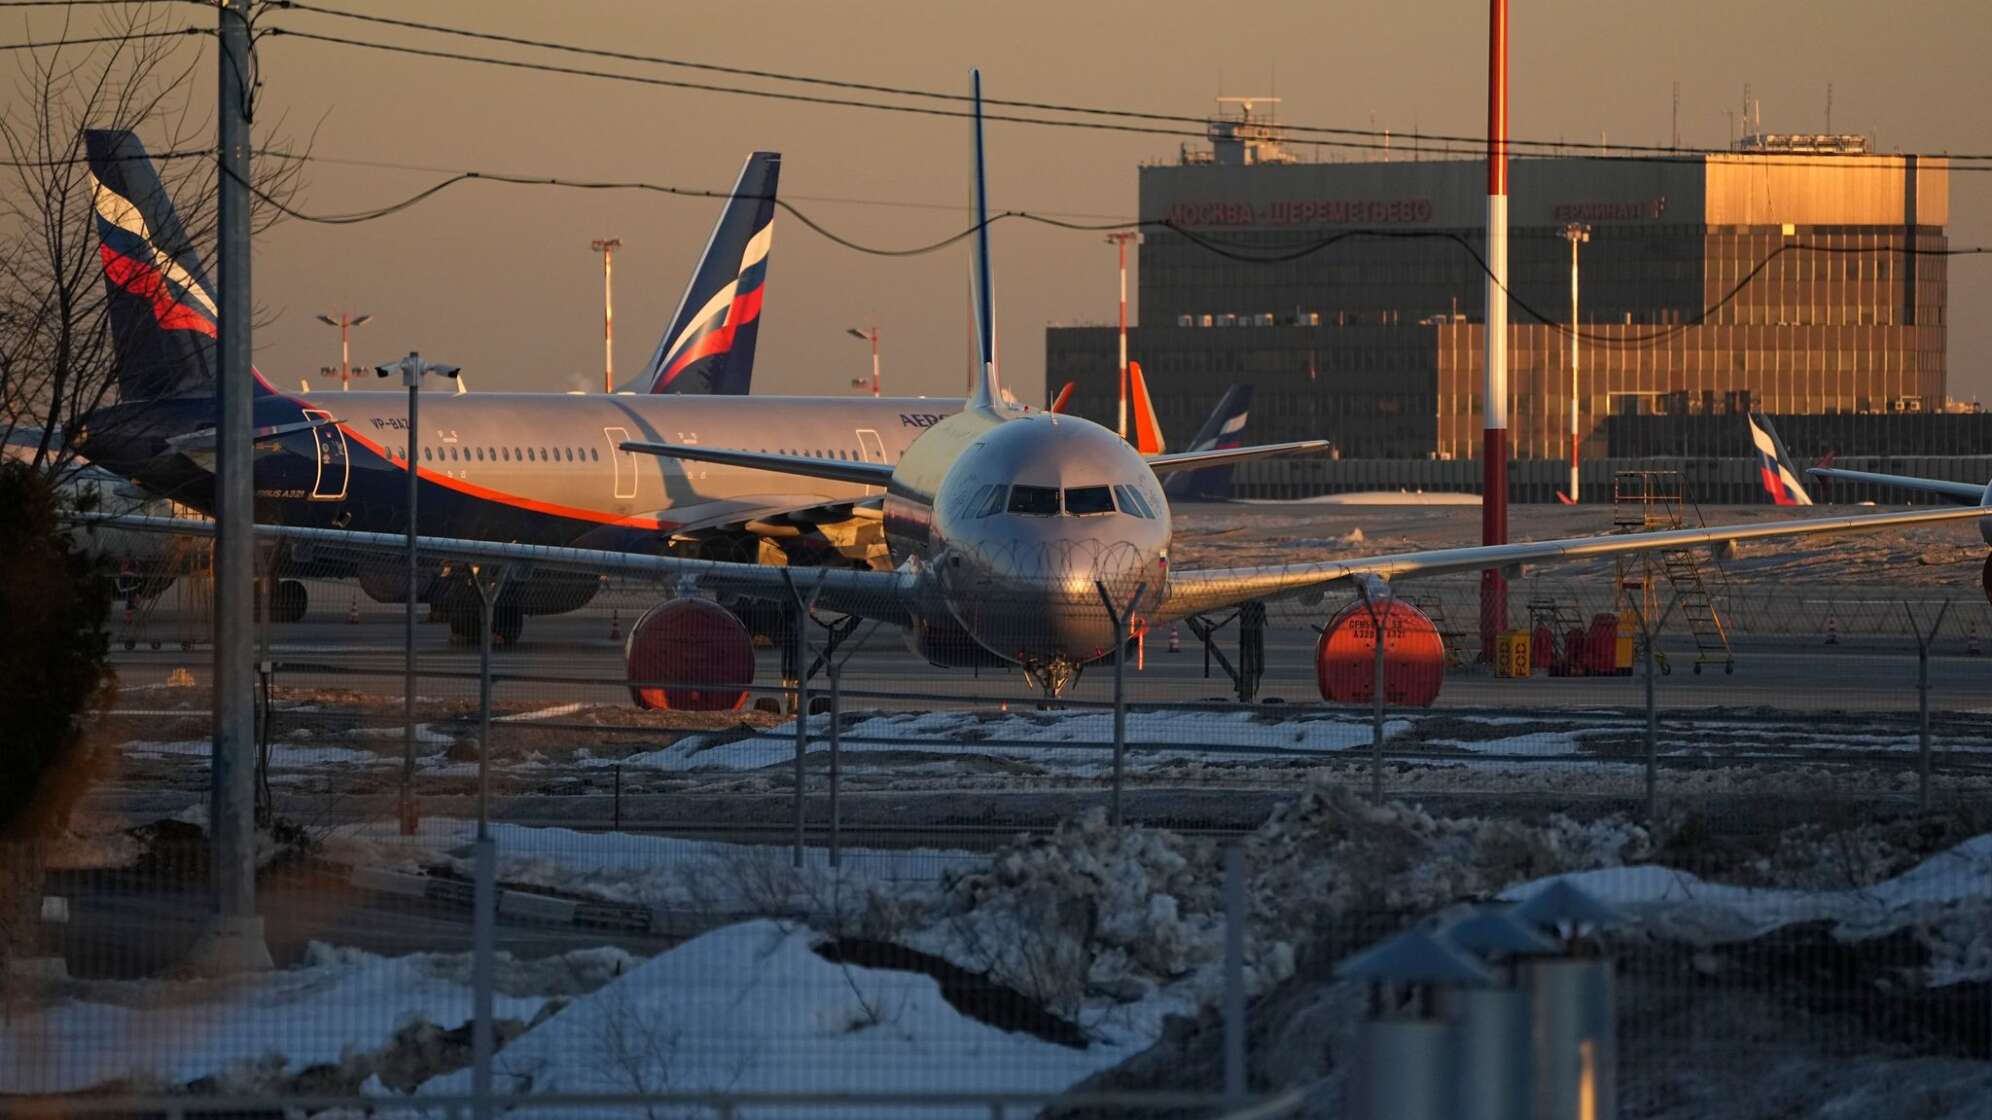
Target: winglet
987, 390
1064, 398
1147, 429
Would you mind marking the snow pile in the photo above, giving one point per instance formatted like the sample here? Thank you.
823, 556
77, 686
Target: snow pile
248, 1031
753, 1008
1118, 929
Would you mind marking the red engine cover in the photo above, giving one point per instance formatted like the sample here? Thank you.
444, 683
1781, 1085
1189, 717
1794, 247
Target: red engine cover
1414, 656
696, 645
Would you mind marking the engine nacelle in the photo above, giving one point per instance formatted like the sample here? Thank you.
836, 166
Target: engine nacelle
1414, 656
944, 643
1986, 579
701, 655
388, 583
1985, 523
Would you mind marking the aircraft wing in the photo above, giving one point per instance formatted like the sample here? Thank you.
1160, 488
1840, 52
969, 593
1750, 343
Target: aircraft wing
1192, 460
839, 470
868, 594
1211, 589
1956, 491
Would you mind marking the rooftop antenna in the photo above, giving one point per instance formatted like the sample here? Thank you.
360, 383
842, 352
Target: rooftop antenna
1829, 108
987, 390
1677, 113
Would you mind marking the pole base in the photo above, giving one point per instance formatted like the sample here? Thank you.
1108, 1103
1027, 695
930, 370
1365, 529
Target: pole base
229, 946
408, 815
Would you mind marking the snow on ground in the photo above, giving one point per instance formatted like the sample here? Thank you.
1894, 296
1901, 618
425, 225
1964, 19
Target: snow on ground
282, 755
1946, 899
1080, 742
661, 872
751, 1008
340, 1001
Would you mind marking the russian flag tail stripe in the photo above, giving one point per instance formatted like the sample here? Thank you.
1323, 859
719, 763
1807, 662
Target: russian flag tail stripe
708, 347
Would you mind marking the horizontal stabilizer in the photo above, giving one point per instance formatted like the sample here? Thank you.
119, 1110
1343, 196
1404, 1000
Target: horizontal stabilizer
838, 470
1191, 460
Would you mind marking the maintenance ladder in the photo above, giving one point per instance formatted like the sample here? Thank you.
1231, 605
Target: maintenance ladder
1649, 500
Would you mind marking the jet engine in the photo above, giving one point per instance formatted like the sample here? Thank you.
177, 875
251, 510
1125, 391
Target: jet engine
386, 582
696, 654
1414, 656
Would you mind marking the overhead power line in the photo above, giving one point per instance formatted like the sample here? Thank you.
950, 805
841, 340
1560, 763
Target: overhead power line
125, 37
1219, 246
1364, 138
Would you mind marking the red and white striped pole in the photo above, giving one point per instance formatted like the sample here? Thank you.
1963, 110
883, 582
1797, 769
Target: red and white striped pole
1120, 239
1494, 450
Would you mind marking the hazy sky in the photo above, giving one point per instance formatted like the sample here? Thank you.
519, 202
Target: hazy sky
501, 281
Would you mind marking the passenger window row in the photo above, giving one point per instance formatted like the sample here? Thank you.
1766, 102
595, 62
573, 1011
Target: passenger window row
454, 453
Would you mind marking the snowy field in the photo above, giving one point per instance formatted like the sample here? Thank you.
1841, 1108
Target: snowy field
1030, 968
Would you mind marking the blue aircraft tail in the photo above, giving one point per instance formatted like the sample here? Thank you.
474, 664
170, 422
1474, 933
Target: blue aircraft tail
709, 347
164, 320
1224, 430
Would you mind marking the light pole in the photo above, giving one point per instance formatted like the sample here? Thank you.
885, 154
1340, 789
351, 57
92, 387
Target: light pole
868, 334
607, 247
345, 322
411, 369
1119, 240
1576, 233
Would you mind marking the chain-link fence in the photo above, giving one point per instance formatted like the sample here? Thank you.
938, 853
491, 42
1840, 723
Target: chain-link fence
959, 881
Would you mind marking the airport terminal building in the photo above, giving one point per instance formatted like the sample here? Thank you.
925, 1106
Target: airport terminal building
1351, 294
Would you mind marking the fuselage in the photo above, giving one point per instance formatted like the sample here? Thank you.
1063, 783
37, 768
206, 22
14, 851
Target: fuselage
533, 468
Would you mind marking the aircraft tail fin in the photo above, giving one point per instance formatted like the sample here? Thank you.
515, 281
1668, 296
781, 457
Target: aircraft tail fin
709, 346
1224, 430
163, 316
1148, 438
1774, 466
988, 389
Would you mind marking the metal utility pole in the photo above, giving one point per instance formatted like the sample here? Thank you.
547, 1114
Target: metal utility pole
345, 322
1494, 449
234, 940
607, 247
1119, 240
1576, 233
411, 368
869, 334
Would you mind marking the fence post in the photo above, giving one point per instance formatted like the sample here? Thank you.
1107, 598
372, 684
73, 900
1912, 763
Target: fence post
1923, 700
836, 714
1117, 618
483, 976
1370, 590
1234, 973
1646, 637
616, 801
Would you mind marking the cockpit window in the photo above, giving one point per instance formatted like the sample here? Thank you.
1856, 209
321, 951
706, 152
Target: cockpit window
990, 501
1034, 501
1083, 500
1132, 502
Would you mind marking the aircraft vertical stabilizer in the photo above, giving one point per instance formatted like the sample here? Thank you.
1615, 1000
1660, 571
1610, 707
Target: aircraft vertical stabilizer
709, 346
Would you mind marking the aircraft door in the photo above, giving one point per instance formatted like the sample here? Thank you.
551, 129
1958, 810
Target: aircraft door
334, 470
873, 448
624, 461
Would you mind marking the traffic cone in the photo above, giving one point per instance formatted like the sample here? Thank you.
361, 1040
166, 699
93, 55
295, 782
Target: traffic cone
615, 625
1175, 639
1832, 629
353, 612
